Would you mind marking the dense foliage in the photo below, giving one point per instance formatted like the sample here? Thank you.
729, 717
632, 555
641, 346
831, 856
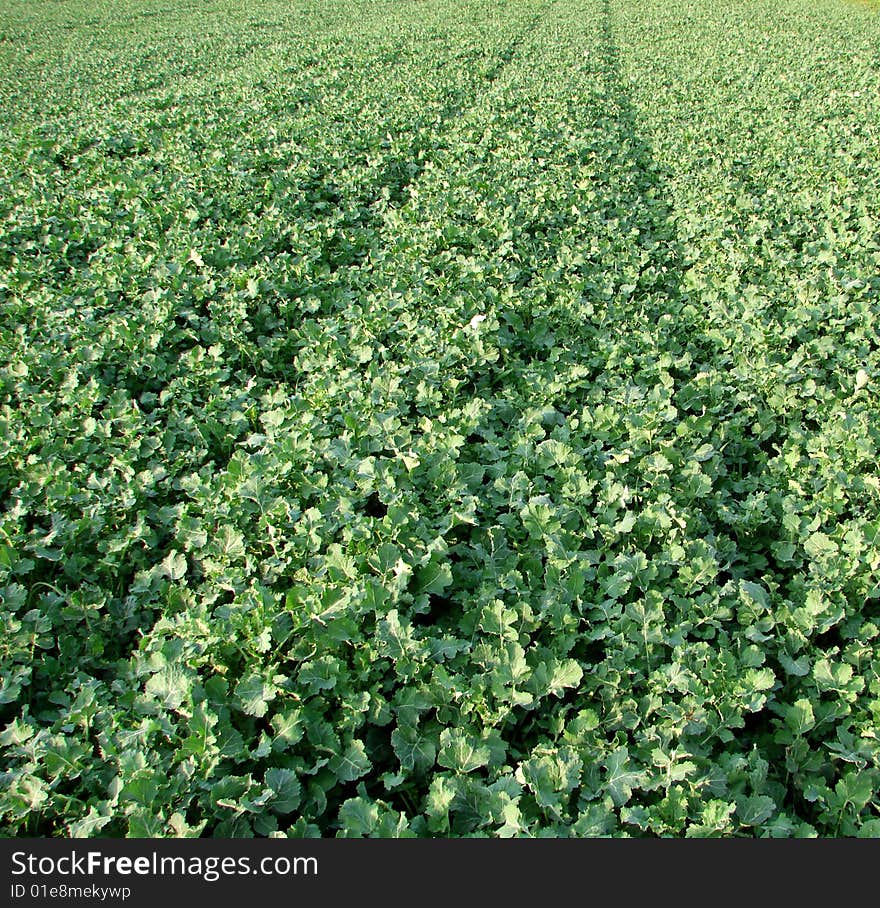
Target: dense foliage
455, 417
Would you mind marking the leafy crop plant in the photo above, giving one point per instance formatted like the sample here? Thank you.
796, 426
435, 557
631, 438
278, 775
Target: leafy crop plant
460, 424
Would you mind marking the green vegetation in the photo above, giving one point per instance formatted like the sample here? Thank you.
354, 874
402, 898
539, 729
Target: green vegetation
455, 417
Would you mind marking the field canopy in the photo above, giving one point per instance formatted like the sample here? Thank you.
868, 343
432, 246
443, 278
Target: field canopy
453, 417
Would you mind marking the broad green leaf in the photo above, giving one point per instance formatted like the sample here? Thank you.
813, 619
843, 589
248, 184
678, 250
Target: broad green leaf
820, 546
755, 810
799, 716
286, 790
352, 763
254, 695
621, 777
461, 752
433, 578
415, 750
358, 817
174, 566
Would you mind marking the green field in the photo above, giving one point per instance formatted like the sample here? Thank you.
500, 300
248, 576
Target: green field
429, 418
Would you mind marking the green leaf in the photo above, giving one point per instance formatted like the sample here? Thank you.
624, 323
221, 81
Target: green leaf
755, 810
90, 825
254, 695
352, 763
286, 790
760, 679
415, 751
617, 585
554, 677
288, 728
857, 788
170, 686
396, 637
621, 777
433, 578
461, 752
319, 675
16, 732
799, 716
754, 593
174, 566
358, 817
496, 620
441, 794
551, 776
819, 546
565, 675
796, 667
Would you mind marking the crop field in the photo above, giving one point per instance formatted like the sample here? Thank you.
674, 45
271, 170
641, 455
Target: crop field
440, 418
